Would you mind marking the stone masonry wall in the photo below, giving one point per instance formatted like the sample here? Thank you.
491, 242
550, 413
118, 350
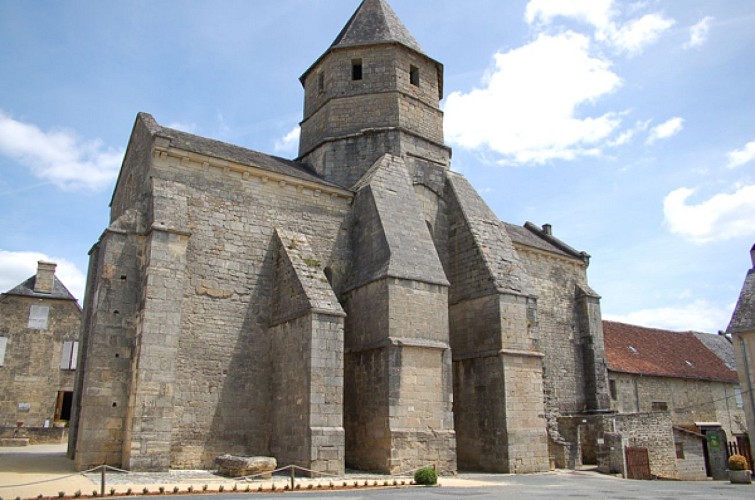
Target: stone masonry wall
643, 430
692, 465
555, 280
226, 304
31, 376
491, 314
219, 393
348, 124
307, 346
106, 350
689, 401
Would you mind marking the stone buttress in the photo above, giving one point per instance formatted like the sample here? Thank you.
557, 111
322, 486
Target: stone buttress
306, 328
398, 364
498, 374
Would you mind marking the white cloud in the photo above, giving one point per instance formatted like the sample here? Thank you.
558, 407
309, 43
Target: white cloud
597, 13
630, 36
667, 129
17, 267
289, 142
722, 217
739, 157
59, 156
637, 34
528, 110
698, 34
699, 316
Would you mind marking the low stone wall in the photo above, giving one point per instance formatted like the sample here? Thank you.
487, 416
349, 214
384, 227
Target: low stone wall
642, 430
36, 435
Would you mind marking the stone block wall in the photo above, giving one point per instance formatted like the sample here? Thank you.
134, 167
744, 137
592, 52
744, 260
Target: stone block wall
31, 374
643, 430
688, 401
107, 343
223, 218
560, 338
690, 456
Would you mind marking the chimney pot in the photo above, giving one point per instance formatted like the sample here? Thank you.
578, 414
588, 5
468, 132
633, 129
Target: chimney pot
45, 279
548, 229
752, 256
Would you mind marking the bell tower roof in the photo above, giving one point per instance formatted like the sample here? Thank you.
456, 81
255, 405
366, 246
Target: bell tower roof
374, 22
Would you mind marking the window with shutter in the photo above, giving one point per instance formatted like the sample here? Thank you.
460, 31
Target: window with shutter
69, 354
38, 316
3, 343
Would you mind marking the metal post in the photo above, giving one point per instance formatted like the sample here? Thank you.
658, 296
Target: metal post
102, 480
293, 476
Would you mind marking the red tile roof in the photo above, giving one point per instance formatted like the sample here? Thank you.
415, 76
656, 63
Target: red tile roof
662, 353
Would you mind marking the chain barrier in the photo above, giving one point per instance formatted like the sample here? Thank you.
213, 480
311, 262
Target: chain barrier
267, 475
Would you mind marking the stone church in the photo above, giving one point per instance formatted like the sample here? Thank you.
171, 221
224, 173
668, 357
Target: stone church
360, 306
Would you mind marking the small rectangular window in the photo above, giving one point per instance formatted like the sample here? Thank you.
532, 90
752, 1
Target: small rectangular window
679, 450
414, 75
321, 82
659, 406
38, 317
3, 343
738, 397
69, 355
356, 69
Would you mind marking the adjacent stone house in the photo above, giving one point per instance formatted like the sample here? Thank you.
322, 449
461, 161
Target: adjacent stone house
742, 330
39, 331
659, 370
688, 376
358, 306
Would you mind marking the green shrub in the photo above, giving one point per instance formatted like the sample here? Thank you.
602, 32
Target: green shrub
737, 462
426, 476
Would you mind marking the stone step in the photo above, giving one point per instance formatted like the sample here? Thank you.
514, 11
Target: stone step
14, 442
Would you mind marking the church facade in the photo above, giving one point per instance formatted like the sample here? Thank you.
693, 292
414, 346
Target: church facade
360, 306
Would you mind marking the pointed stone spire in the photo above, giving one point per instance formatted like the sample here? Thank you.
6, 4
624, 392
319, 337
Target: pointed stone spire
374, 22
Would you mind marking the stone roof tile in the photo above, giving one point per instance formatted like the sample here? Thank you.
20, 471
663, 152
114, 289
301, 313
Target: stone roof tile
26, 289
224, 151
374, 22
743, 319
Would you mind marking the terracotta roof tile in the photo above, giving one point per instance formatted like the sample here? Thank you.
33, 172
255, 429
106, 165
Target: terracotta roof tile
662, 353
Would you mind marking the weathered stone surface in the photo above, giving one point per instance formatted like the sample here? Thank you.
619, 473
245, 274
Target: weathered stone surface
39, 323
216, 298
235, 466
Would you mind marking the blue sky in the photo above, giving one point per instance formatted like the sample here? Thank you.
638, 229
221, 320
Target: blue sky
627, 125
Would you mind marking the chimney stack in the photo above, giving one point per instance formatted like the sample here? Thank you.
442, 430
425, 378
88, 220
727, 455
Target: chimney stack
752, 256
548, 229
45, 279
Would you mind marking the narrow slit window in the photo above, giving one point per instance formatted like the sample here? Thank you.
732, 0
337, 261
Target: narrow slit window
321, 82
414, 75
356, 69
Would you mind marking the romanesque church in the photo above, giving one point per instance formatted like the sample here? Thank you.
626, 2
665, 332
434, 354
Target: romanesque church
360, 306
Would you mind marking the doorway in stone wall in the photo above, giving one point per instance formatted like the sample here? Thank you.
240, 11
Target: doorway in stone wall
63, 406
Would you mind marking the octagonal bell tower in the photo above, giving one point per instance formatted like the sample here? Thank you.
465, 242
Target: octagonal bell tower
374, 91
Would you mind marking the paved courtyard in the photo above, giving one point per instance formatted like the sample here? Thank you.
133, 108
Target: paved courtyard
34, 470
